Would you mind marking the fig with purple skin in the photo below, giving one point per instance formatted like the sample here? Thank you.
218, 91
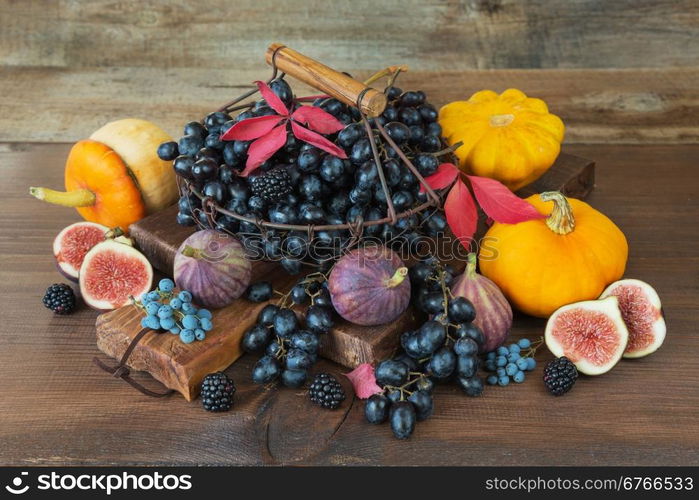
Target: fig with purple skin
493, 312
643, 315
591, 334
112, 273
368, 286
213, 267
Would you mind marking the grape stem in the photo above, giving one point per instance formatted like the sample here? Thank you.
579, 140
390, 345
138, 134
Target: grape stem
531, 351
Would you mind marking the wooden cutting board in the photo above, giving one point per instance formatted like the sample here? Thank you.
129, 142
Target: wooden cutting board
182, 366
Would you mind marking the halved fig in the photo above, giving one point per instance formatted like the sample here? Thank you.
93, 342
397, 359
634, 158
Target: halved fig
72, 244
113, 272
642, 313
592, 334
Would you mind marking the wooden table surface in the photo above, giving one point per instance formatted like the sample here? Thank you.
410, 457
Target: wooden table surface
56, 407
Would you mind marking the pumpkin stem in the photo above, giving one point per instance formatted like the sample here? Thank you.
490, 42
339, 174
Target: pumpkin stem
561, 220
77, 198
397, 278
189, 251
471, 265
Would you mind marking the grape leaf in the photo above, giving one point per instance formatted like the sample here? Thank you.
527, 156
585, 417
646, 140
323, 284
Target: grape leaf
501, 204
363, 381
461, 213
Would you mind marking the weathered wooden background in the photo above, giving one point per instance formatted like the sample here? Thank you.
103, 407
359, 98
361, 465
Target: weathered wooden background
621, 71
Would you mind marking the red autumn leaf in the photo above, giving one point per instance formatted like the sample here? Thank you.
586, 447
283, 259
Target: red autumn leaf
443, 177
272, 99
317, 119
363, 381
461, 213
252, 128
305, 135
264, 147
501, 204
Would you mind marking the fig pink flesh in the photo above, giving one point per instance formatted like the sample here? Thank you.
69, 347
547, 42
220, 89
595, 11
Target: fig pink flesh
76, 242
113, 276
639, 315
589, 335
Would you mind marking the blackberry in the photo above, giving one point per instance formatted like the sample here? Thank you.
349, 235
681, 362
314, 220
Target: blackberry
271, 186
60, 298
217, 392
326, 391
560, 376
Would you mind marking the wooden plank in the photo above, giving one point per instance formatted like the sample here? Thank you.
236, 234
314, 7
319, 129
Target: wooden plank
176, 365
426, 34
58, 409
605, 106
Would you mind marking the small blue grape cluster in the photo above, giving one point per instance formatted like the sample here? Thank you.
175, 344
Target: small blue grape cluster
510, 362
165, 310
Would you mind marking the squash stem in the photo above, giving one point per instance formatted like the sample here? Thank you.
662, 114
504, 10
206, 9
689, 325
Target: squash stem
471, 265
77, 198
561, 220
189, 251
397, 277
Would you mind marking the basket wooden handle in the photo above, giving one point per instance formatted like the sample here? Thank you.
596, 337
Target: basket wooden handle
338, 85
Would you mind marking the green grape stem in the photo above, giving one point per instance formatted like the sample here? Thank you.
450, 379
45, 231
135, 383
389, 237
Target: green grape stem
403, 388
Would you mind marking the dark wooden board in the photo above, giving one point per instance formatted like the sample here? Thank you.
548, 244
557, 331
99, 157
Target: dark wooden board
59, 409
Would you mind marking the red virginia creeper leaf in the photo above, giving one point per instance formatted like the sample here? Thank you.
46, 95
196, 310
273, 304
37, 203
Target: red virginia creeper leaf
305, 135
317, 119
501, 204
363, 381
252, 128
272, 99
461, 213
443, 177
263, 148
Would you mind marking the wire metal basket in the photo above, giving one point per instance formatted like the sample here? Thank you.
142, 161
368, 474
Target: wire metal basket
334, 84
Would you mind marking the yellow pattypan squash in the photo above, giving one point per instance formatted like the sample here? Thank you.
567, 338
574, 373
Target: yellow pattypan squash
508, 137
570, 256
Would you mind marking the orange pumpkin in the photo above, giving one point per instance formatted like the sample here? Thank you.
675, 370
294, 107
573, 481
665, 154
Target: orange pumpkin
570, 256
115, 178
508, 137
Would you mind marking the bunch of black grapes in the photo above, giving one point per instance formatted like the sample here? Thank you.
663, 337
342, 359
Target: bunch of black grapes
289, 347
444, 348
